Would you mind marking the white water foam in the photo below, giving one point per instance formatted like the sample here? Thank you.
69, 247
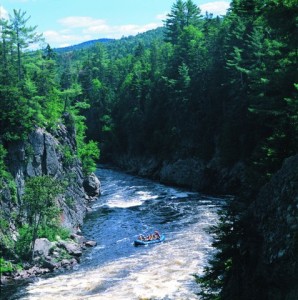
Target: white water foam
120, 203
163, 271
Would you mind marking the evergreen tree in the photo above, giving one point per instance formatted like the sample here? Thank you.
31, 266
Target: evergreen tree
22, 36
182, 14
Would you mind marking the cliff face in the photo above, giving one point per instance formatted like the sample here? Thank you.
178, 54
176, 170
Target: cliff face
267, 263
276, 213
193, 173
45, 153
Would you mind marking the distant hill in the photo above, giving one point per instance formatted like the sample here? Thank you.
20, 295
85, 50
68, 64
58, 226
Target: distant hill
83, 45
146, 38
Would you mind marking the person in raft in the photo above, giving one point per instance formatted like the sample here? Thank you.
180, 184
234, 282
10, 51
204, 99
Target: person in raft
150, 237
142, 237
156, 235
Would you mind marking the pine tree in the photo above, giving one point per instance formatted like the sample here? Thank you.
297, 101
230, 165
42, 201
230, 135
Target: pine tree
182, 14
22, 36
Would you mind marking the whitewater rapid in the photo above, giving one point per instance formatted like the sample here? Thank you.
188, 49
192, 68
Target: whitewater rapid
115, 269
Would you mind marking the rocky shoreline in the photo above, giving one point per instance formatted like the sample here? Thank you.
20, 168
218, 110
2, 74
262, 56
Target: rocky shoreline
54, 154
50, 257
194, 173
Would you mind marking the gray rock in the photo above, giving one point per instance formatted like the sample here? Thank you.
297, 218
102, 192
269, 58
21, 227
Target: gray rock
92, 185
90, 243
42, 153
184, 172
273, 211
71, 248
79, 239
53, 167
42, 247
49, 264
23, 274
4, 279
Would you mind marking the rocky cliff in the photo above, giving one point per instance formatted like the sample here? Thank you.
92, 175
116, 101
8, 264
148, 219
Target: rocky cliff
204, 176
266, 266
45, 153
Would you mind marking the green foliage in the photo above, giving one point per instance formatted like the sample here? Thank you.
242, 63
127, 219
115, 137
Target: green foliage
3, 224
3, 171
53, 232
42, 214
6, 179
29, 94
68, 156
70, 202
22, 35
6, 242
226, 235
12, 188
24, 244
41, 209
7, 266
223, 88
88, 154
182, 14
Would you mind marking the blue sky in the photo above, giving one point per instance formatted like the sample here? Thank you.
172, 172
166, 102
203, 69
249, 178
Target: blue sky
69, 22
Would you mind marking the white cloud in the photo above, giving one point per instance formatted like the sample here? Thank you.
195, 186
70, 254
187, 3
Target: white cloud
3, 13
131, 29
216, 8
62, 39
77, 29
162, 16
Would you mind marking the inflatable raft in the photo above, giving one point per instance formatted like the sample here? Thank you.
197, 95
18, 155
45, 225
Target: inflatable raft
142, 242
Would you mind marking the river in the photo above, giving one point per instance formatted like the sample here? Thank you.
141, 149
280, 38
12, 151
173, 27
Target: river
117, 270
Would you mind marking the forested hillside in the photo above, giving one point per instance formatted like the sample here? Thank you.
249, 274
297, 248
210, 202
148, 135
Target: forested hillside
206, 102
44, 157
202, 87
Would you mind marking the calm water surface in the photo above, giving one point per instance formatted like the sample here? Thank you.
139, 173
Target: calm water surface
115, 269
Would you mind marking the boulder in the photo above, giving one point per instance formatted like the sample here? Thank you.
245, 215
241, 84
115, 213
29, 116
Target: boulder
91, 185
42, 247
49, 264
71, 248
90, 244
4, 280
79, 239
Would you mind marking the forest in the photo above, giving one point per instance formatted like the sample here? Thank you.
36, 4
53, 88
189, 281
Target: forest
201, 86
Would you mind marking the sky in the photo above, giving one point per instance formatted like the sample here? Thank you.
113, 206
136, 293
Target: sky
69, 22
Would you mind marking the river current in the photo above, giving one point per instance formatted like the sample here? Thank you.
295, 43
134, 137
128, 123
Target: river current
115, 269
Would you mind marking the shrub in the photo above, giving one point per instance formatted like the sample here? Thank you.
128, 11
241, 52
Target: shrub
53, 233
89, 153
24, 242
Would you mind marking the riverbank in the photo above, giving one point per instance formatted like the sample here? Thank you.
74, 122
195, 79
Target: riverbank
114, 268
43, 155
50, 257
203, 176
